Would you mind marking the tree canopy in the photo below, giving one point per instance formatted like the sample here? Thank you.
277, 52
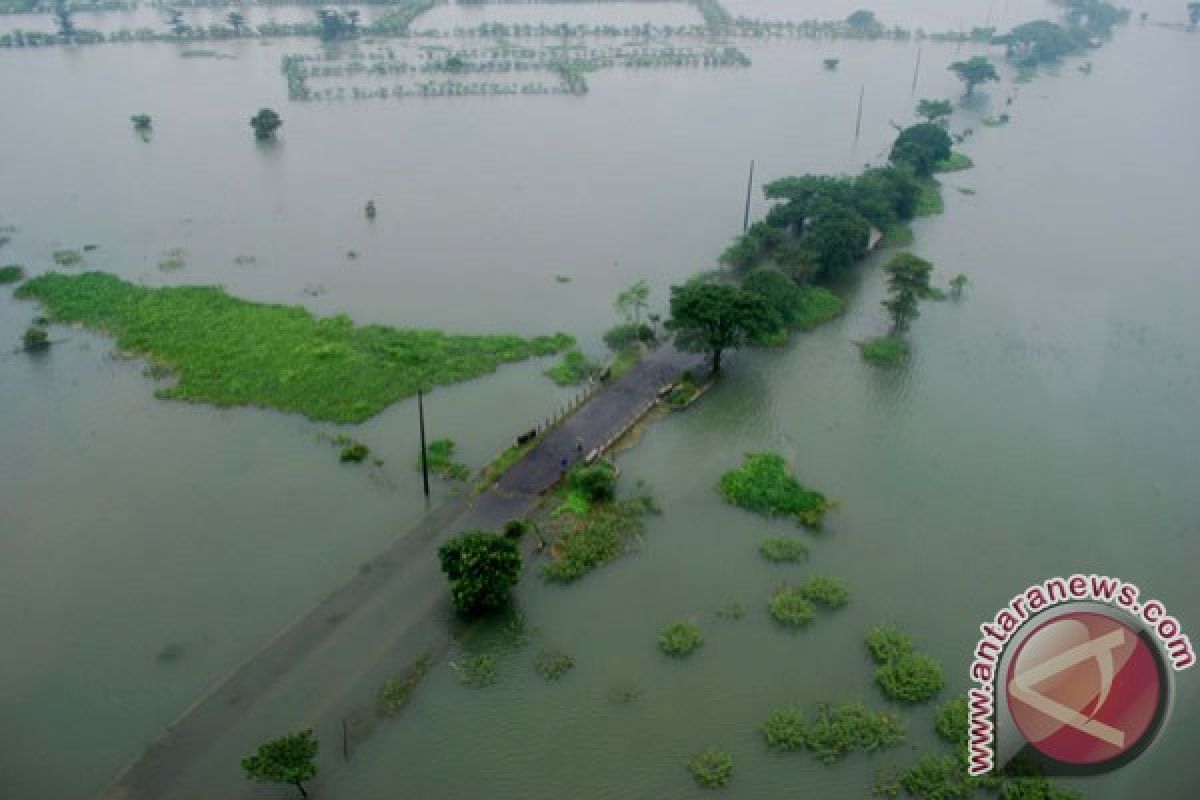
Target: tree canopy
908, 283
288, 759
482, 568
934, 110
629, 303
921, 147
265, 123
1194, 13
974, 71
710, 317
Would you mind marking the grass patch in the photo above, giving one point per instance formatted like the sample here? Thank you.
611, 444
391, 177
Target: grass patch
955, 163
823, 590
684, 392
625, 360
929, 200
680, 639
838, 730
11, 273
232, 352
476, 671
396, 692
35, 340
788, 606
764, 484
67, 258
589, 534
439, 457
712, 769
898, 235
500, 464
815, 306
553, 664
903, 674
783, 550
572, 370
885, 351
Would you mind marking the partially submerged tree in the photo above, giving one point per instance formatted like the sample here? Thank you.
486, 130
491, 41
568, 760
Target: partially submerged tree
62, 15
861, 20
630, 302
336, 24
908, 283
482, 568
711, 318
974, 71
142, 123
288, 759
174, 18
1194, 13
237, 21
935, 111
370, 209
921, 147
265, 123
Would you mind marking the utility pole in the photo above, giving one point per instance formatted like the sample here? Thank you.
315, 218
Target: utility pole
749, 188
916, 69
858, 122
424, 462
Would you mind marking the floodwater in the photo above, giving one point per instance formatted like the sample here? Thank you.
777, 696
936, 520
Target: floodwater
1046, 424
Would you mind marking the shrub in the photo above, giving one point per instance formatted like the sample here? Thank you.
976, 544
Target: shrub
885, 351
951, 722
476, 671
887, 643
911, 678
439, 456
597, 482
482, 568
141, 122
764, 484
67, 258
621, 337
553, 664
785, 729
11, 274
838, 730
396, 692
789, 607
355, 453
712, 769
35, 340
783, 550
679, 639
595, 537
573, 370
825, 591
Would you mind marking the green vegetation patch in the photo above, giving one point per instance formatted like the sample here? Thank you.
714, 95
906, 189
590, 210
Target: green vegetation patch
903, 674
786, 730
67, 258
885, 351
929, 200
439, 457
396, 692
680, 639
712, 769
816, 306
553, 664
11, 273
823, 590
764, 484
898, 235
572, 370
955, 163
782, 550
592, 527
683, 392
232, 352
476, 671
789, 607
838, 730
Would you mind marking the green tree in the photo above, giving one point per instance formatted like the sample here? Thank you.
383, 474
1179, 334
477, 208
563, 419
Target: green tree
934, 110
336, 24
288, 759
711, 318
1042, 41
482, 568
237, 21
974, 71
630, 302
836, 237
175, 21
861, 20
265, 123
908, 282
370, 210
1194, 13
921, 147
142, 123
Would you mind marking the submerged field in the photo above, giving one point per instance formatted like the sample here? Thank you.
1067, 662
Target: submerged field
232, 352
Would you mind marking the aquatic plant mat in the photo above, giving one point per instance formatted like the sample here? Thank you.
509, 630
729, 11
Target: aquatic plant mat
232, 352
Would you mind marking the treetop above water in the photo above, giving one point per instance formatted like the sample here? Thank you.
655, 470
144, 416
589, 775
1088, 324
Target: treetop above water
231, 352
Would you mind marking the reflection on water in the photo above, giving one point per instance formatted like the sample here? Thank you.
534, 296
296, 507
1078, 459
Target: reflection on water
1045, 424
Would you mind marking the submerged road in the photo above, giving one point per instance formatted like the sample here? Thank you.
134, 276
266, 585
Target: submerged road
407, 569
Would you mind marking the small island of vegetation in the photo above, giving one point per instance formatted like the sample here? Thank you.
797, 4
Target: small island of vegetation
764, 484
